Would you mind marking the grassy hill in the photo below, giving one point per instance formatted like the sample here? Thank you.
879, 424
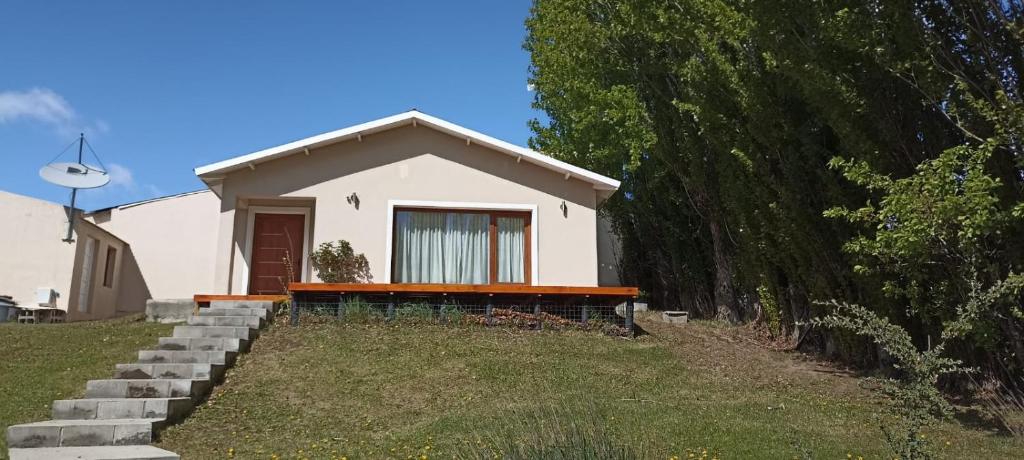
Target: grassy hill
384, 391
43, 362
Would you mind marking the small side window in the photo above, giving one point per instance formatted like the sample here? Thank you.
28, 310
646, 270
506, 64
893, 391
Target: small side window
108, 269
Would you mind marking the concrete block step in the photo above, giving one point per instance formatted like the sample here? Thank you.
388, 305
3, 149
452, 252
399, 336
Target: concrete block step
202, 344
63, 433
214, 332
252, 322
94, 453
186, 357
170, 371
170, 409
147, 388
232, 311
264, 304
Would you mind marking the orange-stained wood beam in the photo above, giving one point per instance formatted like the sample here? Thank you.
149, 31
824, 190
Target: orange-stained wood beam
211, 297
464, 289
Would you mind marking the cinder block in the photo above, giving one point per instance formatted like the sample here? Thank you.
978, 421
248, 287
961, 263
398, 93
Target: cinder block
123, 408
133, 434
202, 344
265, 304
75, 409
675, 317
94, 452
252, 322
260, 312
168, 371
213, 332
185, 357
169, 310
148, 388
106, 389
33, 436
87, 435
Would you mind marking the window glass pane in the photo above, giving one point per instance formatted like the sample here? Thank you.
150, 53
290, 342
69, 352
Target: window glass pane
511, 249
441, 247
108, 269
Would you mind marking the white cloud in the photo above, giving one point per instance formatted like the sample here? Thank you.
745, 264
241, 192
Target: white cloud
122, 179
121, 176
43, 105
122, 188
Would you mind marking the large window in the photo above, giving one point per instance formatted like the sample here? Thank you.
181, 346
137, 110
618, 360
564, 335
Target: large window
461, 247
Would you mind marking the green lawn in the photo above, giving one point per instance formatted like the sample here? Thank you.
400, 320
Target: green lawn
375, 391
43, 362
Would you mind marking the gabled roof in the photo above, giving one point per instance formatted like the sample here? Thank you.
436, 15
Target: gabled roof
217, 170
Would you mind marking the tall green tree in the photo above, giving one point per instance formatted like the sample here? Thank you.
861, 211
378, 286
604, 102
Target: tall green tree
722, 118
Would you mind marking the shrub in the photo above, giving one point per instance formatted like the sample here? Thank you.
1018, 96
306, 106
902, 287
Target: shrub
914, 400
338, 263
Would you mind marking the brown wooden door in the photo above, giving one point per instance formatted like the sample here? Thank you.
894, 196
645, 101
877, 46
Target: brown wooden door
273, 237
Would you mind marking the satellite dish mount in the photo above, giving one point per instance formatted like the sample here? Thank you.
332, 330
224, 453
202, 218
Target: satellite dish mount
75, 176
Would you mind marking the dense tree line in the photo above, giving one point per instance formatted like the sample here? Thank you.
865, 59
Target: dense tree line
778, 153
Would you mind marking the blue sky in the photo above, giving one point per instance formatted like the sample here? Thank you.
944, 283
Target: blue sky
163, 87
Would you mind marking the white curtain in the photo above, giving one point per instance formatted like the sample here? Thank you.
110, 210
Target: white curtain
511, 248
441, 247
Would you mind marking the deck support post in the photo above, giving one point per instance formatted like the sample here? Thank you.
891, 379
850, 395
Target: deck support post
341, 306
294, 309
629, 316
490, 310
585, 315
536, 314
391, 306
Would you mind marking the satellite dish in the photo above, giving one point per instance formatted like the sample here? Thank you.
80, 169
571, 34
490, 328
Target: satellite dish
74, 175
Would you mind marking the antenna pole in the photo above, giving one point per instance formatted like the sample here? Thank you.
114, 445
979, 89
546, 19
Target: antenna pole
74, 194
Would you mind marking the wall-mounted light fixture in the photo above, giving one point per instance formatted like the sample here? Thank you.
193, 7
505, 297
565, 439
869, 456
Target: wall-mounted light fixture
565, 209
353, 200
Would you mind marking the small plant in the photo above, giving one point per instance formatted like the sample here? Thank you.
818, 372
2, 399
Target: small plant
336, 262
451, 314
417, 313
358, 310
289, 268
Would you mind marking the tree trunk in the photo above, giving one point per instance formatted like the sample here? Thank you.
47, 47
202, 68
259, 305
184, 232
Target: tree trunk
1010, 329
725, 296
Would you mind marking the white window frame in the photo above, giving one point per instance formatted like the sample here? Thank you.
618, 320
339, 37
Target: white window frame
462, 205
250, 228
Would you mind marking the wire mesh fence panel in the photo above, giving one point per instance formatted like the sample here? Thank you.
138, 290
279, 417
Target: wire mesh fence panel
521, 312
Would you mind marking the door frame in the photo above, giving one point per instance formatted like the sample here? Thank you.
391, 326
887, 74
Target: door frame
250, 228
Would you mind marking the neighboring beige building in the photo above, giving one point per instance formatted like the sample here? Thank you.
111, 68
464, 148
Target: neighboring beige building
172, 242
425, 200
86, 273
